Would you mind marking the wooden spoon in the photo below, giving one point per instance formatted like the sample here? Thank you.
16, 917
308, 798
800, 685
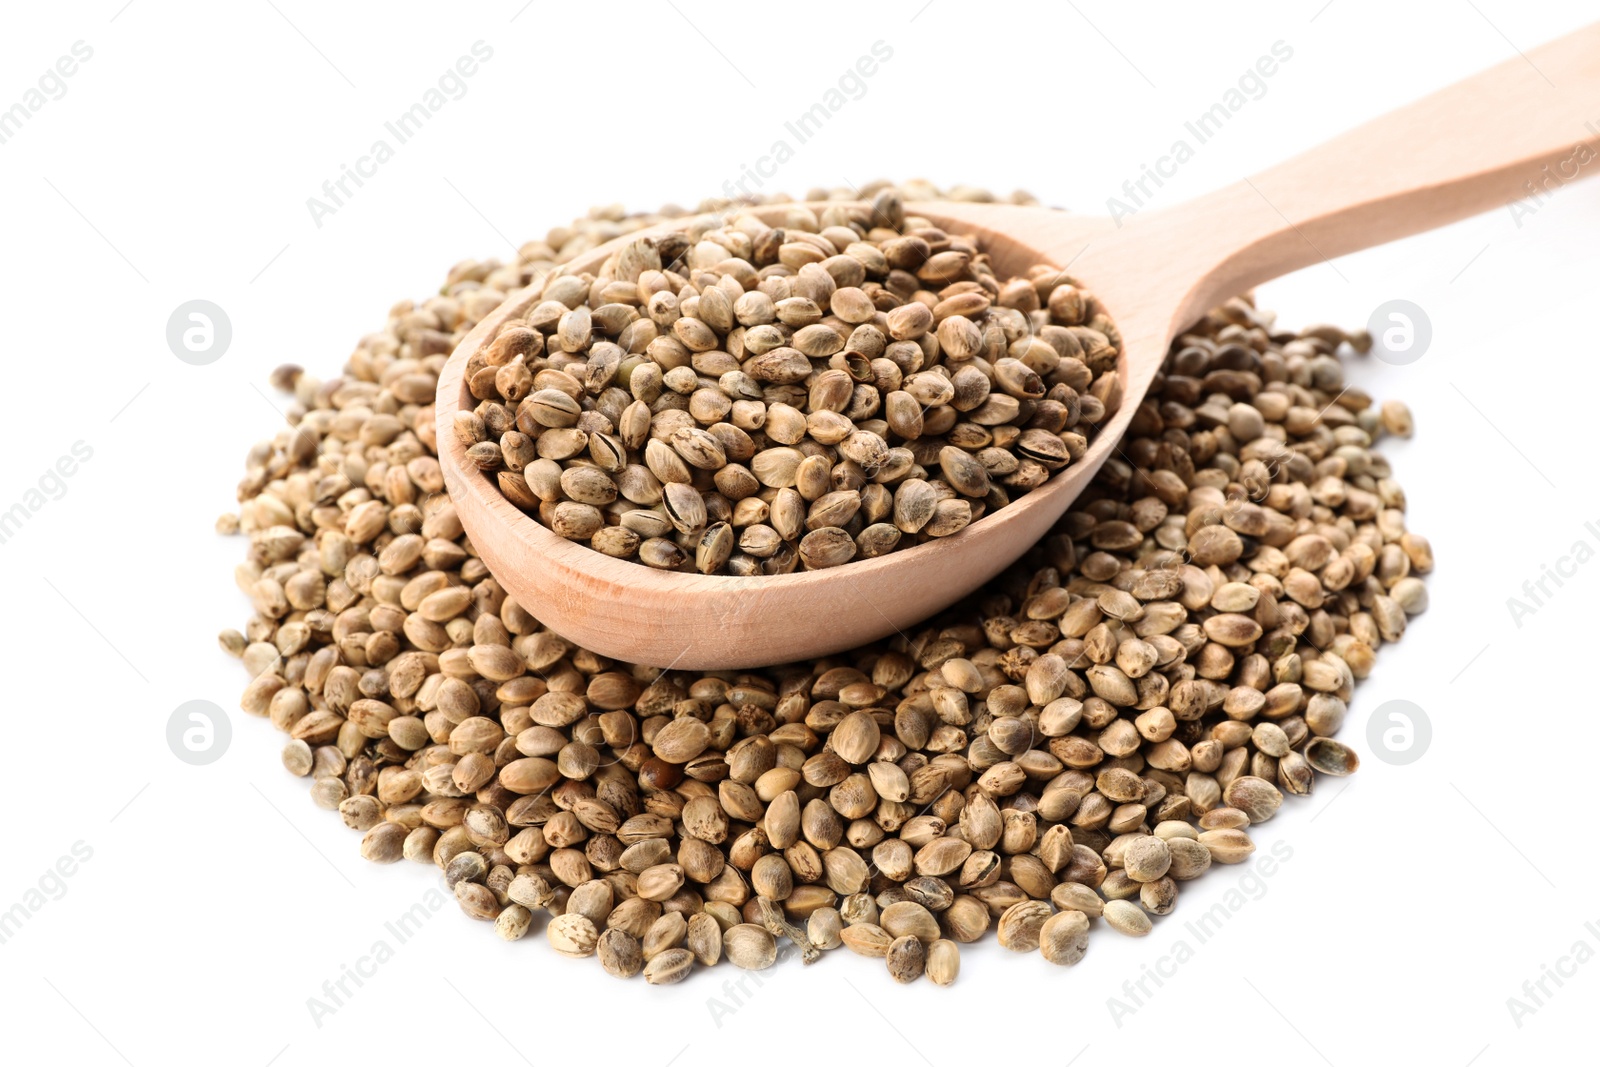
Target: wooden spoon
1469, 148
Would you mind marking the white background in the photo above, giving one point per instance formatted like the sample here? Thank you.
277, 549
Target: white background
218, 899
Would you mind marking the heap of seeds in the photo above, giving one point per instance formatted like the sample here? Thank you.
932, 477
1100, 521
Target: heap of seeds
1100, 725
748, 399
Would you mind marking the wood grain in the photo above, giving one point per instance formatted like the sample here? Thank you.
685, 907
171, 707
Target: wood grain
1464, 150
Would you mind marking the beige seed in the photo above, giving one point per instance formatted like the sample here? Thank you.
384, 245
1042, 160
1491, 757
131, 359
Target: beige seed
684, 507
1269, 738
384, 843
477, 901
620, 953
660, 882
1126, 917
943, 962
572, 935
824, 928
1396, 418
949, 517
297, 758
1064, 937
942, 856
1190, 858
908, 918
771, 878
681, 740
855, 739
1411, 594
1074, 896
1228, 846
1146, 859
827, 547
1256, 797
915, 503
1159, 897
1328, 756
1233, 631
551, 407
907, 959
783, 820
667, 932
670, 967
749, 947
1019, 928
703, 937
866, 939
513, 922
1224, 819
963, 471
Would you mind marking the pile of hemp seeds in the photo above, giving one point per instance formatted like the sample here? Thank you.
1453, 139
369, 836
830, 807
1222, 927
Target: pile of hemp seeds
1099, 725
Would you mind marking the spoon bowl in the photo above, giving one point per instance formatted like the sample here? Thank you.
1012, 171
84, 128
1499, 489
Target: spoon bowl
1463, 150
638, 613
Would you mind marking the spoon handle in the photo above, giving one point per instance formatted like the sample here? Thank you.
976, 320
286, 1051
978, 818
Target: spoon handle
1505, 138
